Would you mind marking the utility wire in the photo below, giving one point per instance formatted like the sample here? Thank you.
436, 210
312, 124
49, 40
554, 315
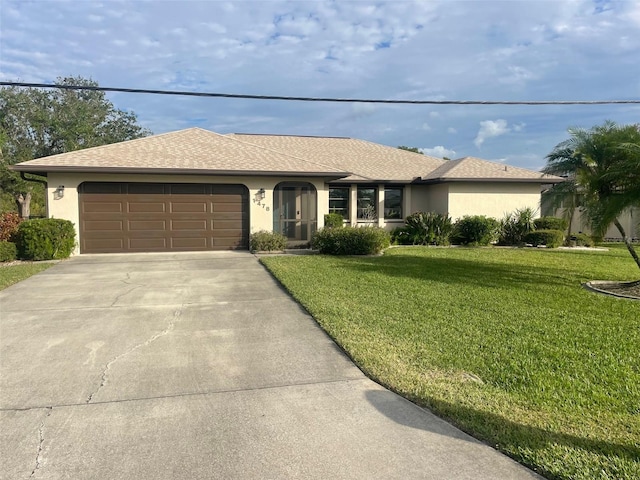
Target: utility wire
320, 99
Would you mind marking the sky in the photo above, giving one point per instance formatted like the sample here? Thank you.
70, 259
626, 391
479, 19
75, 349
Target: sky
408, 50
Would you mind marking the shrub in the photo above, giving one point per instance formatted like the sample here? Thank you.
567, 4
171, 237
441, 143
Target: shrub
550, 238
9, 222
8, 251
400, 236
582, 240
514, 226
333, 220
264, 241
45, 239
475, 230
550, 223
428, 228
351, 240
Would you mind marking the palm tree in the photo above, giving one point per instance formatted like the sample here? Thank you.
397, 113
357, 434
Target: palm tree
601, 164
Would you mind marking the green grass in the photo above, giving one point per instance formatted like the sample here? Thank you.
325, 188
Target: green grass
505, 343
10, 274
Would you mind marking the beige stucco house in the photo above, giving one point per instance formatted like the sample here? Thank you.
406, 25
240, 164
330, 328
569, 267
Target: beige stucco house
198, 190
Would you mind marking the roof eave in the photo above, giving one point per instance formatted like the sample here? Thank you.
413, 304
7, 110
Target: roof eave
43, 170
492, 180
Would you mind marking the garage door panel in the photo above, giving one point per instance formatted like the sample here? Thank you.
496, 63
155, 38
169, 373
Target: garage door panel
179, 225
188, 207
226, 207
105, 207
162, 217
146, 207
219, 225
105, 245
222, 243
189, 243
103, 225
157, 225
147, 244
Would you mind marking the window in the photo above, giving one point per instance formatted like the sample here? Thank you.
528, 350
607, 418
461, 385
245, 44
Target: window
393, 203
339, 201
367, 197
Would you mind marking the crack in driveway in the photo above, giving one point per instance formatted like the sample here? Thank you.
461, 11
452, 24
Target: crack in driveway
40, 442
113, 304
105, 371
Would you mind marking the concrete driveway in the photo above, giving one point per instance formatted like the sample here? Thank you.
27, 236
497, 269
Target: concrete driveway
162, 366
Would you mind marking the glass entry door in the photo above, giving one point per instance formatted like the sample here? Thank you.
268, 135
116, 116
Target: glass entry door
295, 211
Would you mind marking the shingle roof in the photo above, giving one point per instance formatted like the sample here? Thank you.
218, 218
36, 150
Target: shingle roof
199, 151
194, 149
476, 169
365, 160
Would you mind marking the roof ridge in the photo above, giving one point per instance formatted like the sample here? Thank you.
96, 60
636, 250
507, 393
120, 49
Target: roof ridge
287, 135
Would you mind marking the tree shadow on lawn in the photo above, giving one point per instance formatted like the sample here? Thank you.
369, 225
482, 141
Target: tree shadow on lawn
496, 430
457, 271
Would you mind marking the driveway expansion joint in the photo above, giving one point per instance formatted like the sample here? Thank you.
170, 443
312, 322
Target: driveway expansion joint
193, 394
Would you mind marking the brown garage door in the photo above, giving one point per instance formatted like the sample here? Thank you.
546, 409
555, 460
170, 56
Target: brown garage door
160, 217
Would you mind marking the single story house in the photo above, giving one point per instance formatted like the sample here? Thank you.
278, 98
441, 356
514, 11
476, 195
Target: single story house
195, 189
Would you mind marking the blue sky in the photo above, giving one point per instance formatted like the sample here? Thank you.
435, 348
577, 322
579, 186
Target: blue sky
424, 50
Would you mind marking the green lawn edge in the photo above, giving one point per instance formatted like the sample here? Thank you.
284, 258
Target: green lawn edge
581, 436
12, 274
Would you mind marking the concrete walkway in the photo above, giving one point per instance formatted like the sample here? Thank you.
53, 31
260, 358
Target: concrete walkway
163, 366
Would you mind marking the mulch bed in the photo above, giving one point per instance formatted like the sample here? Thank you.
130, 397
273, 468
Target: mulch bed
627, 289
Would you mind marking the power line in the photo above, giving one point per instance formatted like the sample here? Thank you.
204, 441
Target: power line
320, 99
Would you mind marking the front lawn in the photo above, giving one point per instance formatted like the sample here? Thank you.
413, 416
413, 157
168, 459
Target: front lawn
505, 343
10, 274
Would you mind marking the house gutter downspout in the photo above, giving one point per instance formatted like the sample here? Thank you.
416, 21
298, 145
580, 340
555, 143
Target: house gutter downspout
43, 182
27, 179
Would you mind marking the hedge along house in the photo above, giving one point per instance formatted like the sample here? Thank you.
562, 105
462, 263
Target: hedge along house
196, 190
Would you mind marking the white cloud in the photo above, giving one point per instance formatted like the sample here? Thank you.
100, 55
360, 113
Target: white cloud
490, 50
439, 151
490, 129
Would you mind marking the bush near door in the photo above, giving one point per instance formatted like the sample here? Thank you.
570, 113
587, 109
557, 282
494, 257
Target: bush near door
264, 241
45, 239
351, 240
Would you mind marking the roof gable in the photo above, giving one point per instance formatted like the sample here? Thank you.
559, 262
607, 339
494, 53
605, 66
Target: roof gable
193, 149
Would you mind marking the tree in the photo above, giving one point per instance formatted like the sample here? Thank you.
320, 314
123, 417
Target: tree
37, 123
411, 149
601, 164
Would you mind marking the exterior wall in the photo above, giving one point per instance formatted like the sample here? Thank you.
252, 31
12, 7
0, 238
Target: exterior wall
260, 213
429, 198
629, 219
492, 199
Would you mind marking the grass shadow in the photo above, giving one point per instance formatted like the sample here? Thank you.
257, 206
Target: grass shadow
505, 434
463, 272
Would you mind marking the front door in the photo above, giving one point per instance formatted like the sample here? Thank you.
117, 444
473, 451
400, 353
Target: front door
295, 211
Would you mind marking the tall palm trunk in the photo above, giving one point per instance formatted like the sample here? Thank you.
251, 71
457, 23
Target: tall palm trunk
627, 242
